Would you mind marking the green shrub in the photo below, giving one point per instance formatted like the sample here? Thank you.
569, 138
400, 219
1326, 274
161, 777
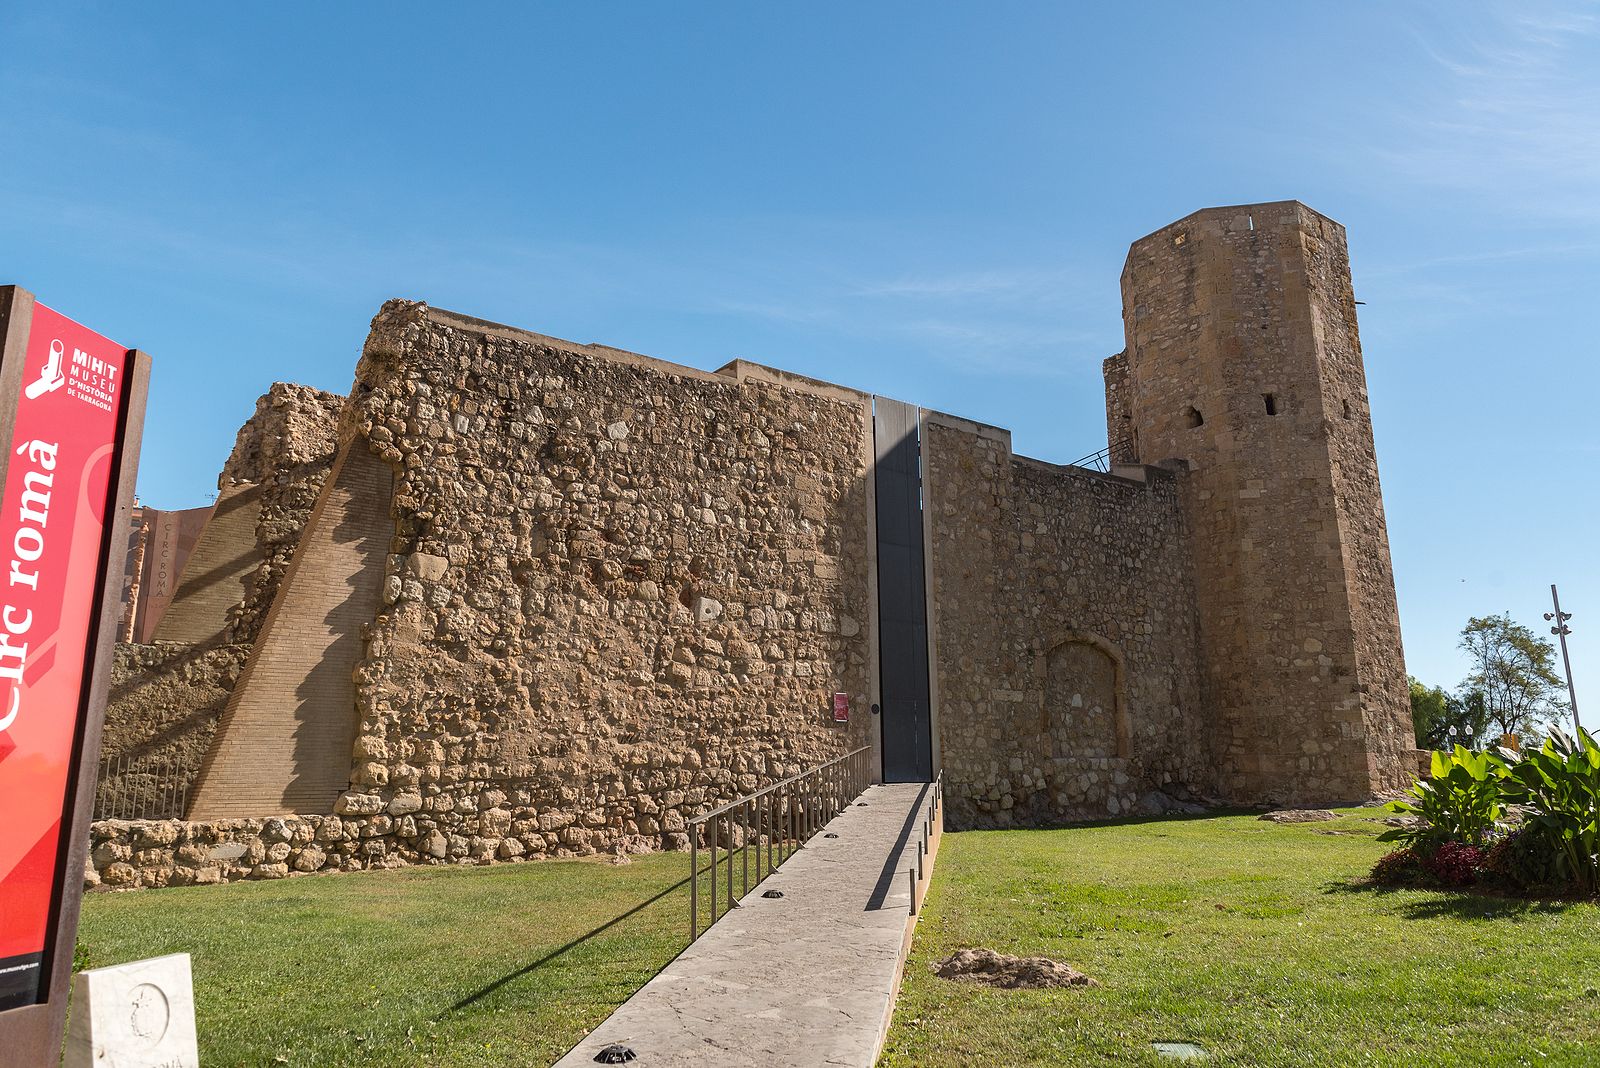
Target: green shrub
1461, 803
1527, 861
1559, 786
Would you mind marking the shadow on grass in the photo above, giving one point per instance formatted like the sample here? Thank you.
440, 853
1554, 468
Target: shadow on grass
1045, 824
554, 953
1462, 903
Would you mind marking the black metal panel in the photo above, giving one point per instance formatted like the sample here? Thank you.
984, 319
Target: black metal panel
902, 601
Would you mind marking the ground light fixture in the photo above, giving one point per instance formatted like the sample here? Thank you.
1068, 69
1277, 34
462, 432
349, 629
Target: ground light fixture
1179, 1051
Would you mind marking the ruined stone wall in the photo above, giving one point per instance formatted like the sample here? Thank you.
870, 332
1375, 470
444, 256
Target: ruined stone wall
560, 598
133, 854
1230, 315
287, 448
1121, 437
132, 571
618, 590
166, 696
1067, 660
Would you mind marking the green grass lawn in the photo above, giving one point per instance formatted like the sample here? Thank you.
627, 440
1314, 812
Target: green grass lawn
506, 965
1248, 938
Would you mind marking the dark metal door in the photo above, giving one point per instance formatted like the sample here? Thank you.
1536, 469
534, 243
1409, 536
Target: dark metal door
902, 601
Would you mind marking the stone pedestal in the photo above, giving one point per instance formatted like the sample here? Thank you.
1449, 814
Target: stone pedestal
138, 1015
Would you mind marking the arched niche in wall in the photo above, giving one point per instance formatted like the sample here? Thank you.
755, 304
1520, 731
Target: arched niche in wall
1085, 711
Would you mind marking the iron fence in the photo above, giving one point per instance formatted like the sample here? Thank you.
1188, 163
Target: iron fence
772, 822
131, 787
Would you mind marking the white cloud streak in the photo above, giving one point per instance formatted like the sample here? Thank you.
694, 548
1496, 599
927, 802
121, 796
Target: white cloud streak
1515, 116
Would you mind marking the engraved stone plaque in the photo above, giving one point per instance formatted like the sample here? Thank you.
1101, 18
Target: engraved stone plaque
138, 1015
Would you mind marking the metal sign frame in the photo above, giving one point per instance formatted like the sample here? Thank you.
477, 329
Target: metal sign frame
33, 1034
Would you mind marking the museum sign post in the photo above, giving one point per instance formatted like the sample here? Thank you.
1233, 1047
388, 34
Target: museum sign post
71, 416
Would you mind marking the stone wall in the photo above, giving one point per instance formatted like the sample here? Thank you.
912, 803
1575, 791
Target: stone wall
287, 448
1380, 670
1121, 435
1242, 360
131, 854
166, 696
618, 590
1065, 636
560, 598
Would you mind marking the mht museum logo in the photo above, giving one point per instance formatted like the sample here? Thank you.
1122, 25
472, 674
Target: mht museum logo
89, 378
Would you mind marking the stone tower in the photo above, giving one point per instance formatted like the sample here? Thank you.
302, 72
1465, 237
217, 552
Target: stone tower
1243, 360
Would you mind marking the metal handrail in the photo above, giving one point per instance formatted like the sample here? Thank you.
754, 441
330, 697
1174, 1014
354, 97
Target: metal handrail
935, 817
1101, 461
780, 817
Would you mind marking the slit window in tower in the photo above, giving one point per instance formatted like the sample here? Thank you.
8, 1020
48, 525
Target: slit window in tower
1193, 416
1271, 402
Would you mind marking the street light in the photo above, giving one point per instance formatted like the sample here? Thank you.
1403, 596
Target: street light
1561, 630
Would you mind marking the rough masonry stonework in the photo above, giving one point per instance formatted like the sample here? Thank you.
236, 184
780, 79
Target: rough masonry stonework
1243, 361
613, 591
554, 599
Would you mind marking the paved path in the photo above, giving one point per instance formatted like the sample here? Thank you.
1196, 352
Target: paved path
807, 980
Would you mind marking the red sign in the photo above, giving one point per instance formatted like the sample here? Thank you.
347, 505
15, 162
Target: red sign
52, 526
841, 708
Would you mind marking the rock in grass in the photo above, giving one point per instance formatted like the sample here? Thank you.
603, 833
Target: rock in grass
1300, 815
1012, 973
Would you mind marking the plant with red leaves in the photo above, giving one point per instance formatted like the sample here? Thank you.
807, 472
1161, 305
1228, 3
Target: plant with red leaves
1401, 868
1455, 864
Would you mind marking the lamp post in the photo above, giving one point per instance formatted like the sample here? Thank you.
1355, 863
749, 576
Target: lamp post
1561, 630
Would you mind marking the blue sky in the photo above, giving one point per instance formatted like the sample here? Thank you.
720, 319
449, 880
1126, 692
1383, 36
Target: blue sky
931, 202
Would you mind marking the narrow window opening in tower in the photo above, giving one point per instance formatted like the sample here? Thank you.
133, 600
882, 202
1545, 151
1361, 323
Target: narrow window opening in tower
1271, 402
1347, 409
1251, 220
1193, 416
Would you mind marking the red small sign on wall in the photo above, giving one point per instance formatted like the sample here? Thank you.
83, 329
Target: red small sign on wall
841, 708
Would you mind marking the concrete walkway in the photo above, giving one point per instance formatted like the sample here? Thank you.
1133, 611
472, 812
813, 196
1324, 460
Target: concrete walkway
805, 980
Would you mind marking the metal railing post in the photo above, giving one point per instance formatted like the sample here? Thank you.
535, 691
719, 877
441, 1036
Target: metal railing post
783, 816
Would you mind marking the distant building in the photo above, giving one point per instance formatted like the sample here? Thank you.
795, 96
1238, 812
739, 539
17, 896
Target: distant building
158, 545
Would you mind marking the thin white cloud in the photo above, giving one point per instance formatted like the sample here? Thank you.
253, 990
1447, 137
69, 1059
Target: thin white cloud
1515, 115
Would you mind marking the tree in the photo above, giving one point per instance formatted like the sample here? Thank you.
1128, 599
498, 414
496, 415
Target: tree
1435, 710
1514, 671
